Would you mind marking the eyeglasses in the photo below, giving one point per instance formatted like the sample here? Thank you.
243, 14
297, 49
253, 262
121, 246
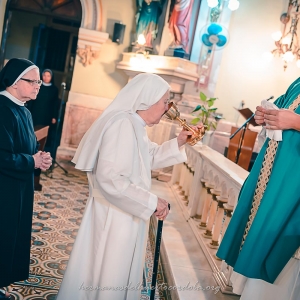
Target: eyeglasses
33, 82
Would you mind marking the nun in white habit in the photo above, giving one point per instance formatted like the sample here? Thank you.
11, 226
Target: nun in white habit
108, 255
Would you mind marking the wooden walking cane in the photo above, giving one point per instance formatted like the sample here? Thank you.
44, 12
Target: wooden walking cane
156, 256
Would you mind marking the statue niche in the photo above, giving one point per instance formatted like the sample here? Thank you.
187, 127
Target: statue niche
148, 19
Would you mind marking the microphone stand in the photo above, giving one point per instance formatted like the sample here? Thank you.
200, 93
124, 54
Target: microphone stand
54, 149
244, 127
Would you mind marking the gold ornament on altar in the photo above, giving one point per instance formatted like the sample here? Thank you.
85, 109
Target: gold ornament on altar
174, 114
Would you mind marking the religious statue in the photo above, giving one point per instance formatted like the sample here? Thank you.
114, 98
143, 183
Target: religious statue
148, 13
179, 23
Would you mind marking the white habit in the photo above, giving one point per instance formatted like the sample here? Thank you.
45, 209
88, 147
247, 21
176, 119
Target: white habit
108, 255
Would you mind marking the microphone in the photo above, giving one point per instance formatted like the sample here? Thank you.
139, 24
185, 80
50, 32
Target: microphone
270, 98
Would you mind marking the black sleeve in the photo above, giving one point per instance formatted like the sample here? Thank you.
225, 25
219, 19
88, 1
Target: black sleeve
16, 165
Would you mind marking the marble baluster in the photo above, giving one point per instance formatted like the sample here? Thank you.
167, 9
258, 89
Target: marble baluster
182, 177
186, 182
209, 186
214, 244
212, 214
189, 182
176, 174
182, 181
201, 200
196, 186
228, 209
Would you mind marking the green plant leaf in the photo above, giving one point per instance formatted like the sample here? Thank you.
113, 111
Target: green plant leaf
212, 109
214, 125
218, 117
203, 109
210, 102
198, 107
195, 121
203, 96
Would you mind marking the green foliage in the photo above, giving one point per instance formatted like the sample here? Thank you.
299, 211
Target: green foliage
205, 113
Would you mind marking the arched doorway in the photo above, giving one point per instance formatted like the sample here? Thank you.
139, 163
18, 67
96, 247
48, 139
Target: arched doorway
45, 32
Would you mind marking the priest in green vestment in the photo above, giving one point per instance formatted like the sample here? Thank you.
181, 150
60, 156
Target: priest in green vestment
264, 232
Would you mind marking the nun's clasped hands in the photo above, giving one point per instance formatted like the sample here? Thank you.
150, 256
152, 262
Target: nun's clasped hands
42, 160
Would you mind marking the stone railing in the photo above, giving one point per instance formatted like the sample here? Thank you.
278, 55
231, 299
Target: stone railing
207, 187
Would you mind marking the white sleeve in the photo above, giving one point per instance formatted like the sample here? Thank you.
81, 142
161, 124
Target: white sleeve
118, 158
167, 154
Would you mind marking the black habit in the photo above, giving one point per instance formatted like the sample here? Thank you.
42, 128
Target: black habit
17, 145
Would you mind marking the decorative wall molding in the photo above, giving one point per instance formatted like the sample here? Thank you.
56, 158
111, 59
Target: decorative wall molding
176, 71
87, 55
89, 44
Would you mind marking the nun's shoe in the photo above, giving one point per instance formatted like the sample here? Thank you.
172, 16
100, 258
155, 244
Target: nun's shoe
4, 295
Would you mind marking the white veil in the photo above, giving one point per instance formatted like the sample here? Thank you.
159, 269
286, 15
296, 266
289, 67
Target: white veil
140, 93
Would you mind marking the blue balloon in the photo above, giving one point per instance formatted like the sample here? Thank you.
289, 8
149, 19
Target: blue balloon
222, 40
205, 40
214, 29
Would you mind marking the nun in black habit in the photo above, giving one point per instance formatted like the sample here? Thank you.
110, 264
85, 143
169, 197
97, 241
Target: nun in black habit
44, 109
44, 112
19, 156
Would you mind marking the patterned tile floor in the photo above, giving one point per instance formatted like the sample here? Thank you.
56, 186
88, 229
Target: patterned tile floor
58, 210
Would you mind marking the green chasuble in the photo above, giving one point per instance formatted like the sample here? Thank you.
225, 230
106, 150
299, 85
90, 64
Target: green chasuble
262, 236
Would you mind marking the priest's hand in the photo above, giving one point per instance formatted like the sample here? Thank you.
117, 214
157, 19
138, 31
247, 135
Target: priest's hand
259, 116
281, 119
162, 209
47, 161
184, 135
